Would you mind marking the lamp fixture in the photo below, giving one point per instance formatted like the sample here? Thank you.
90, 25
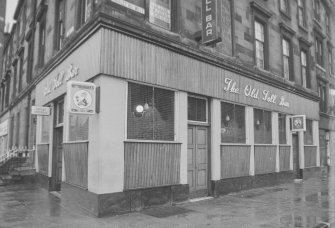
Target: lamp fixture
227, 118
258, 122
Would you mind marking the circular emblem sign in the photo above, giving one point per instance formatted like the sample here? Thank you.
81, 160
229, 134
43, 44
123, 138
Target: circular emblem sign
82, 99
297, 123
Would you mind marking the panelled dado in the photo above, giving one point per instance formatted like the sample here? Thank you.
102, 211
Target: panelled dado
155, 65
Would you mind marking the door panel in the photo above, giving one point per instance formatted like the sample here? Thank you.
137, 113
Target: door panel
197, 160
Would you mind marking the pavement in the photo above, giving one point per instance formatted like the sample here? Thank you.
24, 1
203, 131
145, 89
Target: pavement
308, 203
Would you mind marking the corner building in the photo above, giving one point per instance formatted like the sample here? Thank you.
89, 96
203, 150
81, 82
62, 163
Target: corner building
181, 112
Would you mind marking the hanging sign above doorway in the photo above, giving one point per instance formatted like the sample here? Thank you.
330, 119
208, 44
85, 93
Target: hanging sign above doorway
298, 123
81, 97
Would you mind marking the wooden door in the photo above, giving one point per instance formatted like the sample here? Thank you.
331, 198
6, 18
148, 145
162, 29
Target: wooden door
58, 157
295, 145
197, 157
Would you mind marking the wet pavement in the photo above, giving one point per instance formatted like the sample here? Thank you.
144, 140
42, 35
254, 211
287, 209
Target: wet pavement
310, 203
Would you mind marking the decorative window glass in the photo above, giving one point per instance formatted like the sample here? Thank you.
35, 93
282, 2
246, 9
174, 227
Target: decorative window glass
259, 44
303, 59
286, 58
301, 13
45, 129
308, 135
262, 127
78, 127
232, 123
282, 128
150, 113
197, 109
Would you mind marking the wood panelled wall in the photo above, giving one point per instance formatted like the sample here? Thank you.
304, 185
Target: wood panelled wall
127, 57
265, 159
235, 160
284, 158
310, 156
151, 164
76, 163
43, 158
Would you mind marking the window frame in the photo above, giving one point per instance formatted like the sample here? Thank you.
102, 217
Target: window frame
245, 123
174, 113
20, 81
309, 122
59, 24
301, 8
287, 57
41, 42
264, 51
316, 9
330, 61
319, 46
285, 11
264, 131
284, 116
206, 100
322, 93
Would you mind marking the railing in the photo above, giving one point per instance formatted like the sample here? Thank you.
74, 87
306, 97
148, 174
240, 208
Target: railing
17, 152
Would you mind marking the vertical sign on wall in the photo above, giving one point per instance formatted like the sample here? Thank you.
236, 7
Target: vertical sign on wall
160, 13
208, 21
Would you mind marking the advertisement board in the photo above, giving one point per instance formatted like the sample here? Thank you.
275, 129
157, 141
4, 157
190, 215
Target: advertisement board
81, 97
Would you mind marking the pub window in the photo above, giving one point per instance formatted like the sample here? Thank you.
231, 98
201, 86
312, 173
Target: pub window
232, 123
308, 135
287, 59
282, 128
45, 129
60, 16
262, 127
197, 109
260, 44
319, 50
301, 13
78, 127
150, 113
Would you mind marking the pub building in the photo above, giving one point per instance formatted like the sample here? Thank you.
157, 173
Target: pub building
169, 124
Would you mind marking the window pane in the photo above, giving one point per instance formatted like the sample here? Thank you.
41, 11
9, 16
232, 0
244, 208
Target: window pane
45, 129
259, 31
262, 127
308, 136
163, 111
286, 67
150, 113
197, 109
78, 127
232, 123
282, 128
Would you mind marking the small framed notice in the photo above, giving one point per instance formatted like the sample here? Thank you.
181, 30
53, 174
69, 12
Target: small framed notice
298, 123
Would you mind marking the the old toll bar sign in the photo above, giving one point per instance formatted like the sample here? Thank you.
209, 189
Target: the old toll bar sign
209, 18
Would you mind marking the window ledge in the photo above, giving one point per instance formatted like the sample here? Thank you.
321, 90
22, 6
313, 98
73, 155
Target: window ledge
285, 14
234, 144
303, 28
73, 142
317, 23
150, 141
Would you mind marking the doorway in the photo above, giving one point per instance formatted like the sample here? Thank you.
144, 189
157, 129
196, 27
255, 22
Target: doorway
197, 169
296, 163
